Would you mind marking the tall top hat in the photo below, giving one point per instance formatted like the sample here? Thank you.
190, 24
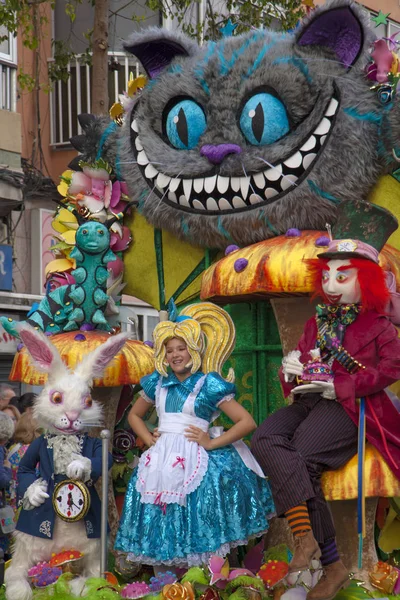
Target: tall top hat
361, 231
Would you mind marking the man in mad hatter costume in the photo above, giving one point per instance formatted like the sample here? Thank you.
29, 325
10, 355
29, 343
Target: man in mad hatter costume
350, 349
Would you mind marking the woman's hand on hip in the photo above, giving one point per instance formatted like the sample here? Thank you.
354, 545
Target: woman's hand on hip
194, 434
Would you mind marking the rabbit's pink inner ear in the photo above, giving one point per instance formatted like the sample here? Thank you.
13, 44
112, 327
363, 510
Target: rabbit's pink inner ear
107, 353
37, 348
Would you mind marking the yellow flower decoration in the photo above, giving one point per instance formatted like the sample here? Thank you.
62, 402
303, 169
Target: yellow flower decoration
63, 186
178, 591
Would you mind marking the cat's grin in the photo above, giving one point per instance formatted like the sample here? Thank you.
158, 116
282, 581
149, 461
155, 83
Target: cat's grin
218, 194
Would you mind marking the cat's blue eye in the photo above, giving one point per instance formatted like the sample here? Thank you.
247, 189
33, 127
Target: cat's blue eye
185, 123
264, 119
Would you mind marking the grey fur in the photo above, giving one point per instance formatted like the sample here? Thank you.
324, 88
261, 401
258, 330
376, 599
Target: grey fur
356, 153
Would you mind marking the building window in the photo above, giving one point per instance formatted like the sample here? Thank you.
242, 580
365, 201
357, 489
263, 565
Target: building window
8, 71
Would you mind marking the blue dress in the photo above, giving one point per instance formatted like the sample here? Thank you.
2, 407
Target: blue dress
183, 503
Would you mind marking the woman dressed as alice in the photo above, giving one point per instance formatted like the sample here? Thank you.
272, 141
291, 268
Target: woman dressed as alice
197, 490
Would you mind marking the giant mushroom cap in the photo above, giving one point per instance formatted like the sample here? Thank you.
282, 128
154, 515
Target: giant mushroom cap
273, 268
131, 364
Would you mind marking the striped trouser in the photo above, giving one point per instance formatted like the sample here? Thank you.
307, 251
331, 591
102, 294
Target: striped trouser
295, 445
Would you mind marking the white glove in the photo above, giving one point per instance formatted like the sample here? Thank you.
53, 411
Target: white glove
291, 366
35, 495
325, 388
80, 468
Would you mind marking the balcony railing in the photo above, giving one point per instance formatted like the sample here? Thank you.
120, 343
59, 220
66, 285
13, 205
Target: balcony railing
8, 86
70, 99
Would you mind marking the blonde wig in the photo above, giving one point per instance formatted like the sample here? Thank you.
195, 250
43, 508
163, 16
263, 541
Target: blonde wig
209, 334
189, 331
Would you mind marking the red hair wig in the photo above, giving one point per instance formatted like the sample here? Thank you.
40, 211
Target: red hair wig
371, 278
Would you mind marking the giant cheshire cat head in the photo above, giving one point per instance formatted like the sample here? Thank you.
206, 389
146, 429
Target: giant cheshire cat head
240, 140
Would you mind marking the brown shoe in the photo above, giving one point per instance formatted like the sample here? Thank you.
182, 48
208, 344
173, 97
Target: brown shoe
334, 578
305, 549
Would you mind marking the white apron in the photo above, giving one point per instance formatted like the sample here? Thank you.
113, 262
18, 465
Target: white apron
174, 467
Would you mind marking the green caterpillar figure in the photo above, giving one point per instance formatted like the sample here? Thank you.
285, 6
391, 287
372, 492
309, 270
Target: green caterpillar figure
81, 305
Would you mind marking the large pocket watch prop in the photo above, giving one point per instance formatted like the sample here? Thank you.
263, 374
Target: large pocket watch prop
71, 500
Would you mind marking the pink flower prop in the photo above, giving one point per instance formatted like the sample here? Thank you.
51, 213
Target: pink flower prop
383, 59
56, 280
80, 184
135, 590
115, 268
119, 244
221, 574
37, 569
92, 188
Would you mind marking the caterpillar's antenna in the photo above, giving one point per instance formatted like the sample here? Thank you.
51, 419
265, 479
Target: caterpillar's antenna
120, 215
81, 220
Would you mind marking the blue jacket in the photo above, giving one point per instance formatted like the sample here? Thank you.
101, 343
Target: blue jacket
40, 521
5, 472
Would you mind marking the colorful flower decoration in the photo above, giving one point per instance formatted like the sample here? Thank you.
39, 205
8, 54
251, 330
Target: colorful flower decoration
178, 591
384, 68
135, 590
221, 573
122, 443
126, 100
272, 572
162, 579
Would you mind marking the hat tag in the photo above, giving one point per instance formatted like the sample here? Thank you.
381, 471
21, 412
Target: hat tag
346, 246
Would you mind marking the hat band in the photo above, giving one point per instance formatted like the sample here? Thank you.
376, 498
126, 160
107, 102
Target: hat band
355, 247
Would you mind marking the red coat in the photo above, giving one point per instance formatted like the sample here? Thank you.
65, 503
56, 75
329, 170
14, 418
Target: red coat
372, 340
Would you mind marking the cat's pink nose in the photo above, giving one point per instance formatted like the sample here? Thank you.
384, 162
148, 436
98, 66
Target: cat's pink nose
72, 416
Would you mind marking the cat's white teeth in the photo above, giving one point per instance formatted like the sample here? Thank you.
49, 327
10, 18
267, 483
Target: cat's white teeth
142, 158
174, 184
332, 108
270, 193
259, 180
187, 187
134, 126
309, 145
172, 197
162, 180
209, 184
183, 201
224, 204
238, 202
255, 199
274, 173
138, 144
244, 186
288, 181
198, 185
308, 160
324, 127
235, 184
294, 161
197, 204
150, 172
222, 184
212, 204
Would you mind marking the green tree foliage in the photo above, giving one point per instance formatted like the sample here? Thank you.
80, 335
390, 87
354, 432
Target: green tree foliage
30, 20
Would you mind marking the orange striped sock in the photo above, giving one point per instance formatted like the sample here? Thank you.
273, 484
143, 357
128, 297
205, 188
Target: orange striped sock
299, 519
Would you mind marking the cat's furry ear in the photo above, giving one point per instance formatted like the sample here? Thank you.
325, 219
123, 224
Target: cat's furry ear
44, 355
156, 48
339, 26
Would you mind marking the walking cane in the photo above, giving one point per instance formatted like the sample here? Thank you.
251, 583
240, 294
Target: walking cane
105, 436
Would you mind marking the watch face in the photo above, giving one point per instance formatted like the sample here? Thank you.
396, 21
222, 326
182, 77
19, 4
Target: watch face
71, 500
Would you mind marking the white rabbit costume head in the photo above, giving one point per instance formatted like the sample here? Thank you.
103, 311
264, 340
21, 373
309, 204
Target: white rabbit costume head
65, 405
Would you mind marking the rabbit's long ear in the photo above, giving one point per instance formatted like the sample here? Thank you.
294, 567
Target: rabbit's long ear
94, 363
44, 355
